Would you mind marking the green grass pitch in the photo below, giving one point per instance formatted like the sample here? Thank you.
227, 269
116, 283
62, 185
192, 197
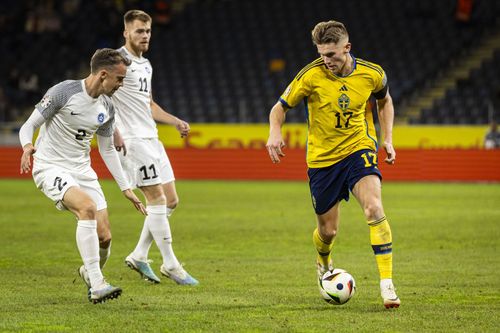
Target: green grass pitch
249, 244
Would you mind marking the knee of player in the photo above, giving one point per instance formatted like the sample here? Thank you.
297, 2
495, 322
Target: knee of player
87, 210
327, 234
373, 211
330, 234
105, 239
172, 202
159, 199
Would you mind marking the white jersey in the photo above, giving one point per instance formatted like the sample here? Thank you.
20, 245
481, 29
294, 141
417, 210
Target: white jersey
71, 119
133, 100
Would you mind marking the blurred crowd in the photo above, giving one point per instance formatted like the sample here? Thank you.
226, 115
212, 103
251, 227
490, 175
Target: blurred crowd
61, 33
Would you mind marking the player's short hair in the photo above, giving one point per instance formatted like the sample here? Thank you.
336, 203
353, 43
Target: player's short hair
329, 32
136, 14
107, 58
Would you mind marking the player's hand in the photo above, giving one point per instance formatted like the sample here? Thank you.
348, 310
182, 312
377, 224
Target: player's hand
391, 153
119, 143
274, 146
183, 128
129, 194
28, 151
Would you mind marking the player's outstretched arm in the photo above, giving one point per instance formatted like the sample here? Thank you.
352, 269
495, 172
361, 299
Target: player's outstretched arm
26, 136
386, 116
162, 116
275, 142
112, 161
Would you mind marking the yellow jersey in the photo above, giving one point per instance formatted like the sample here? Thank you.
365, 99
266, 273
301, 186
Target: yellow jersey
335, 106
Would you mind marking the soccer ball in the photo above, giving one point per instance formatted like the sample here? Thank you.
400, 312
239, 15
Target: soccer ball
337, 286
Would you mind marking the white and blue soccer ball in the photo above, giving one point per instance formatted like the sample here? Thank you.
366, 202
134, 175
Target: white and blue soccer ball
337, 286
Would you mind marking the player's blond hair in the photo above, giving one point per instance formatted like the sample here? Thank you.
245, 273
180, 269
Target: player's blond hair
105, 59
136, 14
329, 32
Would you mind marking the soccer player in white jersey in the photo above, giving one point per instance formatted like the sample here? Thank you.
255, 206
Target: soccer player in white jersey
146, 164
69, 114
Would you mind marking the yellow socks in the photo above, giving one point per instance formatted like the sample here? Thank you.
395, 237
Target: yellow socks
324, 249
381, 240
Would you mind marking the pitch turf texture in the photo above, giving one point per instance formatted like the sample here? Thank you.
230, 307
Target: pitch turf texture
249, 244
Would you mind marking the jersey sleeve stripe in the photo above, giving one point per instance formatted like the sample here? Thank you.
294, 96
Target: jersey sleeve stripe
315, 63
372, 66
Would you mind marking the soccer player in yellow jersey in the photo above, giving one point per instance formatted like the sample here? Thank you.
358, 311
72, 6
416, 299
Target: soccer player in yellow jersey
341, 151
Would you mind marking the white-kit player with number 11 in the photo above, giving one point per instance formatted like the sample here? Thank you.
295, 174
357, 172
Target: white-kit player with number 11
144, 159
69, 114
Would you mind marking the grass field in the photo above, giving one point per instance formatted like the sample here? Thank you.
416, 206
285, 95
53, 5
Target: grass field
249, 244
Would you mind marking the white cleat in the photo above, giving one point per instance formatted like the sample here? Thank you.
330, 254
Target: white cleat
179, 275
143, 268
388, 293
104, 293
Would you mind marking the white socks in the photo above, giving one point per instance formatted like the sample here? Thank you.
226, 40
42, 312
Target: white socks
88, 245
156, 226
142, 248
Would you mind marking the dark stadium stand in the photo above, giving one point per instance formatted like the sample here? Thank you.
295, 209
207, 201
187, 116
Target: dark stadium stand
228, 61
472, 101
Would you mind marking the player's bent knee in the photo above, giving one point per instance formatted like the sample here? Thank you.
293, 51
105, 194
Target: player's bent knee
172, 203
373, 211
105, 240
87, 210
158, 200
328, 234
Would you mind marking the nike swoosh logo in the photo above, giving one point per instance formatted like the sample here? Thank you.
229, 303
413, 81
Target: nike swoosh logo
74, 114
132, 70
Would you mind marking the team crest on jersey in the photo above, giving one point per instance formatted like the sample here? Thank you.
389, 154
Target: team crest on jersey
100, 118
344, 101
45, 102
148, 69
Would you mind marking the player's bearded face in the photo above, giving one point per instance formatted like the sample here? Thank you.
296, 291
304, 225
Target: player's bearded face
138, 34
335, 55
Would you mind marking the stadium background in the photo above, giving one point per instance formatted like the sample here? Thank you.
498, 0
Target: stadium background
222, 64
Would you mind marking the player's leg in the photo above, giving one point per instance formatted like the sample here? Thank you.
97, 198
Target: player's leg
171, 195
168, 179
368, 192
138, 259
174, 272
324, 236
159, 227
93, 189
104, 234
328, 188
85, 209
141, 167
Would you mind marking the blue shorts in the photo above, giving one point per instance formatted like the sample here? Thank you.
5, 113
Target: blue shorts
332, 184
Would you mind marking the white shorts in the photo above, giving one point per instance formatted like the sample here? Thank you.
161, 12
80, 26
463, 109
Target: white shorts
146, 163
54, 181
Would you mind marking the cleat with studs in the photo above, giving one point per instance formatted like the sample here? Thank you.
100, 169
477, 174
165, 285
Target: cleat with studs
143, 268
